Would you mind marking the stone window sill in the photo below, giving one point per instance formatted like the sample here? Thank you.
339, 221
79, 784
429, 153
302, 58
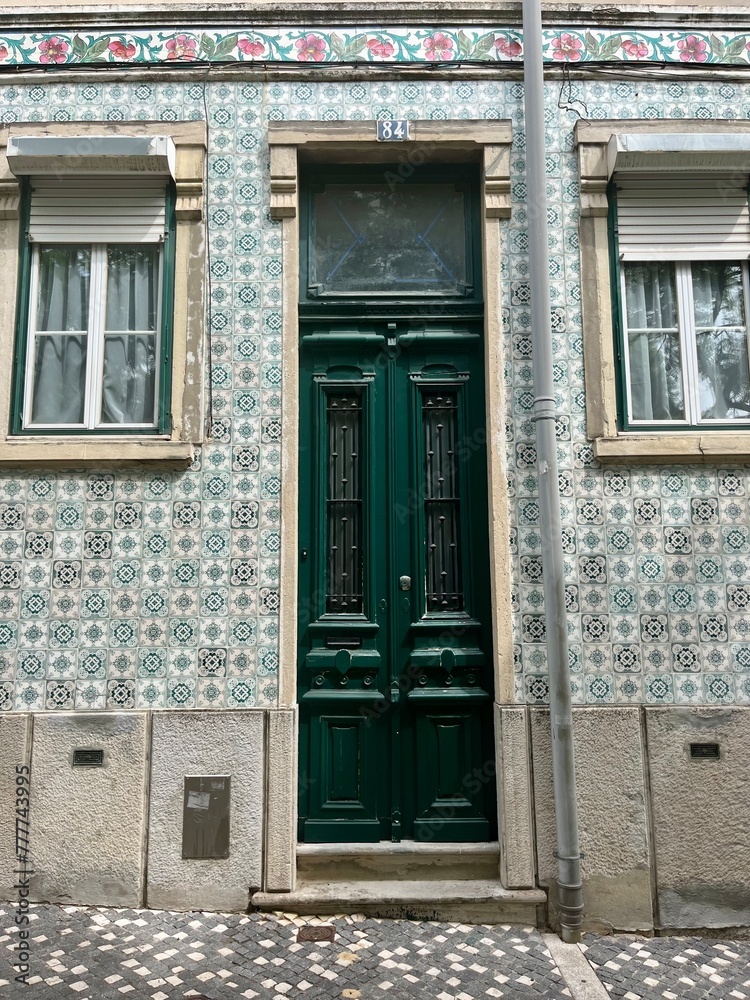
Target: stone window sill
108, 452
689, 447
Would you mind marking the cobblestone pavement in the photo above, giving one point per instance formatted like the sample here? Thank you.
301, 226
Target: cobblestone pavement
670, 968
97, 953
100, 953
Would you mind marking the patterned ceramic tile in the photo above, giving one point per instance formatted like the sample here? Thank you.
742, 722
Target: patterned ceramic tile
125, 590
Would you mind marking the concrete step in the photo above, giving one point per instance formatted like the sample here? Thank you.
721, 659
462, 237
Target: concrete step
407, 860
475, 901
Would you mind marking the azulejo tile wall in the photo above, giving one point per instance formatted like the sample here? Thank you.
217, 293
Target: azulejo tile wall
120, 590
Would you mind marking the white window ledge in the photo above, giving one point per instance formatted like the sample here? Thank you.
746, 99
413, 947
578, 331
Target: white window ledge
684, 446
111, 451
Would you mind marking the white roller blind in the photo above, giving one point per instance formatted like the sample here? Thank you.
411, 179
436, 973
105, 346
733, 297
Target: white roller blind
98, 210
683, 217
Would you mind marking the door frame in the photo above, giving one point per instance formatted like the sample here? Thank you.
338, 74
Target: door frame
487, 143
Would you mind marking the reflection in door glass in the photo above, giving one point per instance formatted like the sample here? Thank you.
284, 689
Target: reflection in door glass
377, 239
344, 504
441, 502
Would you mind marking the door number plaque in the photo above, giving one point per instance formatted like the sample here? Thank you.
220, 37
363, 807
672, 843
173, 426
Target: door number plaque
393, 130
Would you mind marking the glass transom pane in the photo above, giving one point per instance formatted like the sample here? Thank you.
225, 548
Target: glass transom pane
379, 238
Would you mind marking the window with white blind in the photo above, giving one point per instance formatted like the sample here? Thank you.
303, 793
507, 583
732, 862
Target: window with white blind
682, 244
103, 316
94, 339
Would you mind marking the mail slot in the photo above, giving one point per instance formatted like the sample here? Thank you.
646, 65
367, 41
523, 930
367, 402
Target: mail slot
205, 816
343, 642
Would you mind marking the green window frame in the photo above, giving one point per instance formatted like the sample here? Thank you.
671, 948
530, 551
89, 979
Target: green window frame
22, 362
685, 330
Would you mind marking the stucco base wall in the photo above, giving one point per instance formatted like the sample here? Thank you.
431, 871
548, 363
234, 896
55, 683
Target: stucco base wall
612, 816
665, 836
206, 743
87, 823
701, 811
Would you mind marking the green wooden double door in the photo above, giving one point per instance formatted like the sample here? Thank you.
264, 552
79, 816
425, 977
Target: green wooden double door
395, 676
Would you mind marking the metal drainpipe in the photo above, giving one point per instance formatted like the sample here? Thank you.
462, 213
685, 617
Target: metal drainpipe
569, 887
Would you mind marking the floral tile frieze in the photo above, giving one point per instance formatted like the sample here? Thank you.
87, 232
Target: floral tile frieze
375, 45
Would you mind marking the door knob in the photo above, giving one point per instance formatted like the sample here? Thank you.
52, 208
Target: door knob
404, 582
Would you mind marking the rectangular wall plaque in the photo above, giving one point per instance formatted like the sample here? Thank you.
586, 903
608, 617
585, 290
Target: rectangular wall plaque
205, 816
393, 130
86, 757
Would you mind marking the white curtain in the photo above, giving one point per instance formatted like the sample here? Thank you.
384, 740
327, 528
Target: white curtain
60, 359
130, 335
721, 341
653, 342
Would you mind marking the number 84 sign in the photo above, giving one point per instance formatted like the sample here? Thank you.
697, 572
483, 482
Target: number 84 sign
393, 130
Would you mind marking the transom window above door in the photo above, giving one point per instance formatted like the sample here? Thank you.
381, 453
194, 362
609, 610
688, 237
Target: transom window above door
370, 232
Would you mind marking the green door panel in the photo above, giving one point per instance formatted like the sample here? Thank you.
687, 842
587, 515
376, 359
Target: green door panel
343, 792
395, 654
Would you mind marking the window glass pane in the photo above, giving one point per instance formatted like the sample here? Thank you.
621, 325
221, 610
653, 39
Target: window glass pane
132, 287
59, 379
372, 238
63, 302
721, 341
129, 379
653, 342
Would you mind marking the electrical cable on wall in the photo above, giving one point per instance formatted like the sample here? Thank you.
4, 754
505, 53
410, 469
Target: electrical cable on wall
570, 104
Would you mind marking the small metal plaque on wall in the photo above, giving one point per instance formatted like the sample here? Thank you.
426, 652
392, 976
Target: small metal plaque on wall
205, 817
393, 130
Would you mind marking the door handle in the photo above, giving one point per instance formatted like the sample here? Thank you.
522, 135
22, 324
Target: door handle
404, 582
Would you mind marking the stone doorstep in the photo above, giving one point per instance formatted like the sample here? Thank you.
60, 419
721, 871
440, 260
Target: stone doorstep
467, 900
404, 861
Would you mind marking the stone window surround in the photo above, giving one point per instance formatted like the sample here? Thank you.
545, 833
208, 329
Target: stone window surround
186, 404
609, 443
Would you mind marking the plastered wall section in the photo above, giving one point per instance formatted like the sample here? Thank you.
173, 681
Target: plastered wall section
87, 823
701, 810
210, 743
612, 815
